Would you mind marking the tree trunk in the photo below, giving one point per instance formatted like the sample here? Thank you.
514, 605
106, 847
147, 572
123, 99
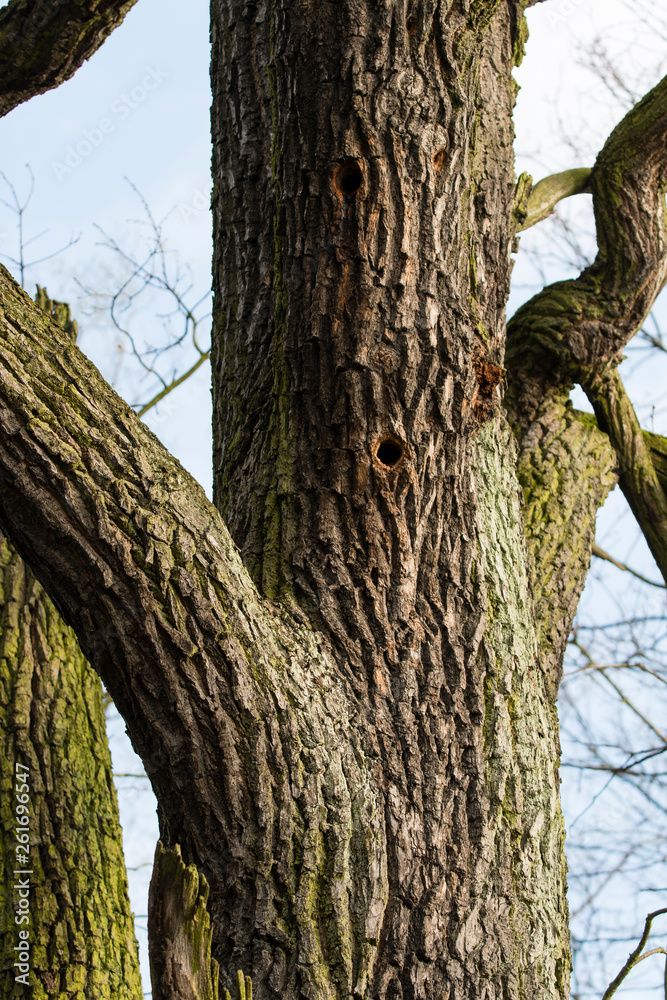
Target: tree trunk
359, 750
80, 928
363, 223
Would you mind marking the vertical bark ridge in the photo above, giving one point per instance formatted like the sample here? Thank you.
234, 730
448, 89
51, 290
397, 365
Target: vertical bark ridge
256, 749
389, 307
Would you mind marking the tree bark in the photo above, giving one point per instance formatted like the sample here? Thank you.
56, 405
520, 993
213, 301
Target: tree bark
359, 334
81, 931
56, 764
358, 750
44, 42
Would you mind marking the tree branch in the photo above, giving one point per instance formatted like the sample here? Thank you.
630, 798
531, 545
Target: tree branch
639, 479
234, 707
601, 554
572, 327
635, 956
546, 194
657, 445
43, 42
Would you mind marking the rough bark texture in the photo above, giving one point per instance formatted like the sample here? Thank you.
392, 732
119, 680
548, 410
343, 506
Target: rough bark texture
210, 680
43, 42
358, 751
566, 468
268, 768
359, 336
81, 931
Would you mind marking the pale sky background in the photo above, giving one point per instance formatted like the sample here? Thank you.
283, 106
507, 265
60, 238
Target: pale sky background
140, 110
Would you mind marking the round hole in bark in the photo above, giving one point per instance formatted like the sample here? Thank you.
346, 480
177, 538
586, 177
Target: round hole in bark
348, 178
389, 452
411, 24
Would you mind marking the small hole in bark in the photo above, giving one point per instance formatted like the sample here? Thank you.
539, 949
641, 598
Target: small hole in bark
389, 452
439, 160
348, 178
411, 24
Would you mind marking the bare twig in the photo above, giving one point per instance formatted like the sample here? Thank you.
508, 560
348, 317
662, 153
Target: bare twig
601, 554
636, 956
155, 270
18, 208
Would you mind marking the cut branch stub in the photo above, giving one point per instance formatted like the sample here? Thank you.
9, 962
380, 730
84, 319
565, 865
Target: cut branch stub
179, 930
546, 194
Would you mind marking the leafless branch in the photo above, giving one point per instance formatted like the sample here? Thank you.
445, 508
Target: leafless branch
636, 956
17, 207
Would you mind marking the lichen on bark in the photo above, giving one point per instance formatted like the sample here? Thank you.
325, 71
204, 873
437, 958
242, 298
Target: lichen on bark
524, 827
566, 467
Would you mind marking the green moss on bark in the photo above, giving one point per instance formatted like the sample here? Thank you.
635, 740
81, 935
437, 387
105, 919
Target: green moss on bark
82, 941
180, 930
566, 469
521, 747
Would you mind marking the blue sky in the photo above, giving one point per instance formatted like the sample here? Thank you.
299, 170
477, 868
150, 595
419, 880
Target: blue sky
139, 109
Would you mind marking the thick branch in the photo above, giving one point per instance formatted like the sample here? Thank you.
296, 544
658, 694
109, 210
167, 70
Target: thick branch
566, 468
242, 725
572, 327
639, 479
52, 733
43, 42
